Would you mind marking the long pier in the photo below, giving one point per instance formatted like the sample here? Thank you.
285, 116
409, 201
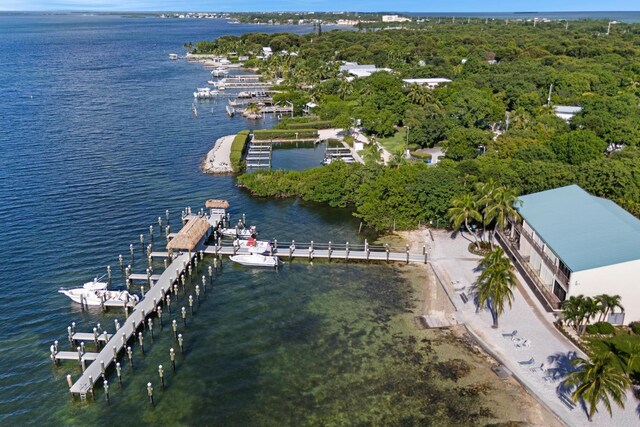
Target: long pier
118, 342
329, 251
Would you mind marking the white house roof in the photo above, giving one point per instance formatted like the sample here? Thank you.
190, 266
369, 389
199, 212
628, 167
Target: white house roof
584, 231
567, 109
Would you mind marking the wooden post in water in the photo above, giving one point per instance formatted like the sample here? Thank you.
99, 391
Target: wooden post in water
172, 356
119, 373
150, 393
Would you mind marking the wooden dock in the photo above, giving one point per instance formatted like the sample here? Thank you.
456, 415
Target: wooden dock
118, 342
112, 346
329, 251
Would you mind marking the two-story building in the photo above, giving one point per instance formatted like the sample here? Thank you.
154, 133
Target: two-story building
572, 243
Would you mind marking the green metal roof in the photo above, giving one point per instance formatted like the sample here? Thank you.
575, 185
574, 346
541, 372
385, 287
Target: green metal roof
584, 231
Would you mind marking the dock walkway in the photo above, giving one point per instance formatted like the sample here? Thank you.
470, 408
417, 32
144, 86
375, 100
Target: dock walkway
128, 331
311, 251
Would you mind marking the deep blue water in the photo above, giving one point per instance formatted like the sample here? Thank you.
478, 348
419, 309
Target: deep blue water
97, 139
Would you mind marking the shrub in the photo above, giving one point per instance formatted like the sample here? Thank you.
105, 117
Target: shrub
603, 328
635, 327
591, 329
237, 148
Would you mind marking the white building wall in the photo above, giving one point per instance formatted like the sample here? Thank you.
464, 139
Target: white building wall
619, 279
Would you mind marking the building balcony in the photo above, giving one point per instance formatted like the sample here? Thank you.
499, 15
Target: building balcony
560, 275
546, 297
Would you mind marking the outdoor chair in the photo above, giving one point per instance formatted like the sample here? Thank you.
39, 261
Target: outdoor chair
538, 368
510, 335
527, 362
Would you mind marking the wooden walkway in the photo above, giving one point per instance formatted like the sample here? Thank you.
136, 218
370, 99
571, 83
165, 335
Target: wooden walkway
129, 329
313, 251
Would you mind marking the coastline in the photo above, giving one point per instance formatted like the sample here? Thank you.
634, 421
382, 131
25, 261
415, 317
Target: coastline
217, 160
435, 317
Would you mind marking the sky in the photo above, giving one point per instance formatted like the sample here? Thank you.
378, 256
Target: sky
324, 5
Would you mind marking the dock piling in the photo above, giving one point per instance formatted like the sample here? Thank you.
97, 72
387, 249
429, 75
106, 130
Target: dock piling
130, 354
150, 393
172, 356
161, 375
184, 316
105, 385
174, 326
141, 341
119, 373
181, 343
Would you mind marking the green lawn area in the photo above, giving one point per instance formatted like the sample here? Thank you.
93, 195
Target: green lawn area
396, 143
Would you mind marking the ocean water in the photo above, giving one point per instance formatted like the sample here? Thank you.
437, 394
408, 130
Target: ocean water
97, 139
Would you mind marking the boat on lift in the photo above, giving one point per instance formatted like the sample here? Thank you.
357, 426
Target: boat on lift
95, 285
98, 296
254, 246
242, 233
256, 260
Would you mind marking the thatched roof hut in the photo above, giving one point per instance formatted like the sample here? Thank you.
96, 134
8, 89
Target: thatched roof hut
217, 204
192, 232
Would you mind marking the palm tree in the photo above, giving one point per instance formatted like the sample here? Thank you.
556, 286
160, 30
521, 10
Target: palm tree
418, 95
500, 207
463, 209
495, 284
608, 304
579, 310
598, 380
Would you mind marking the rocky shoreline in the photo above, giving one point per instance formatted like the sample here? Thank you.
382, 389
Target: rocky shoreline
217, 160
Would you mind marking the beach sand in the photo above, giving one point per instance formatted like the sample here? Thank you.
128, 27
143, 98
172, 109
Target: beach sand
217, 160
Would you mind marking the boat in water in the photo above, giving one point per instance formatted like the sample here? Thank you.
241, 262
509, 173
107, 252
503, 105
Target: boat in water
231, 111
220, 72
173, 56
95, 285
98, 296
256, 260
242, 233
205, 93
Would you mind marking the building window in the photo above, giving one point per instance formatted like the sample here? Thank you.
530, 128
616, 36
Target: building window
559, 291
616, 318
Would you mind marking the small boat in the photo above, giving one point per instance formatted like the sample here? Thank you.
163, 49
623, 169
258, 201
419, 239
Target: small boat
242, 233
205, 93
255, 260
219, 72
173, 56
95, 285
97, 297
230, 111
255, 246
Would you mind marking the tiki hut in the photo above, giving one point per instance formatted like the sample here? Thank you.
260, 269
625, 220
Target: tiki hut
190, 235
217, 204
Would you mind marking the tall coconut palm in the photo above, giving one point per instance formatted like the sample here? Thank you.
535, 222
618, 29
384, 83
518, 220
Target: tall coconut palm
418, 95
495, 284
464, 209
608, 304
598, 380
500, 207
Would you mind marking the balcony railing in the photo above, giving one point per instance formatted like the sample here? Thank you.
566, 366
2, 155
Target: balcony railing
560, 275
547, 298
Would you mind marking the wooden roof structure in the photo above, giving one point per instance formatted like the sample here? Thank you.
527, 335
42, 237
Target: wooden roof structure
217, 204
192, 232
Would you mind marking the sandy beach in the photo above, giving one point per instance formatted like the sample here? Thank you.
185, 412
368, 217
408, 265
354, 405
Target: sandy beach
217, 160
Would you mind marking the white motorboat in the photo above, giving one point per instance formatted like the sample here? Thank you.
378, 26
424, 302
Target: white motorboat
220, 72
230, 111
205, 93
255, 246
242, 233
173, 56
255, 260
96, 297
95, 285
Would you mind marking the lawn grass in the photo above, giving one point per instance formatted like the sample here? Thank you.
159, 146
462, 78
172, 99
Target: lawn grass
395, 144
622, 340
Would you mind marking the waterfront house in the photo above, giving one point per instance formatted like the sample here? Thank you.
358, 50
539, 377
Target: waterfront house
360, 70
566, 112
571, 243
